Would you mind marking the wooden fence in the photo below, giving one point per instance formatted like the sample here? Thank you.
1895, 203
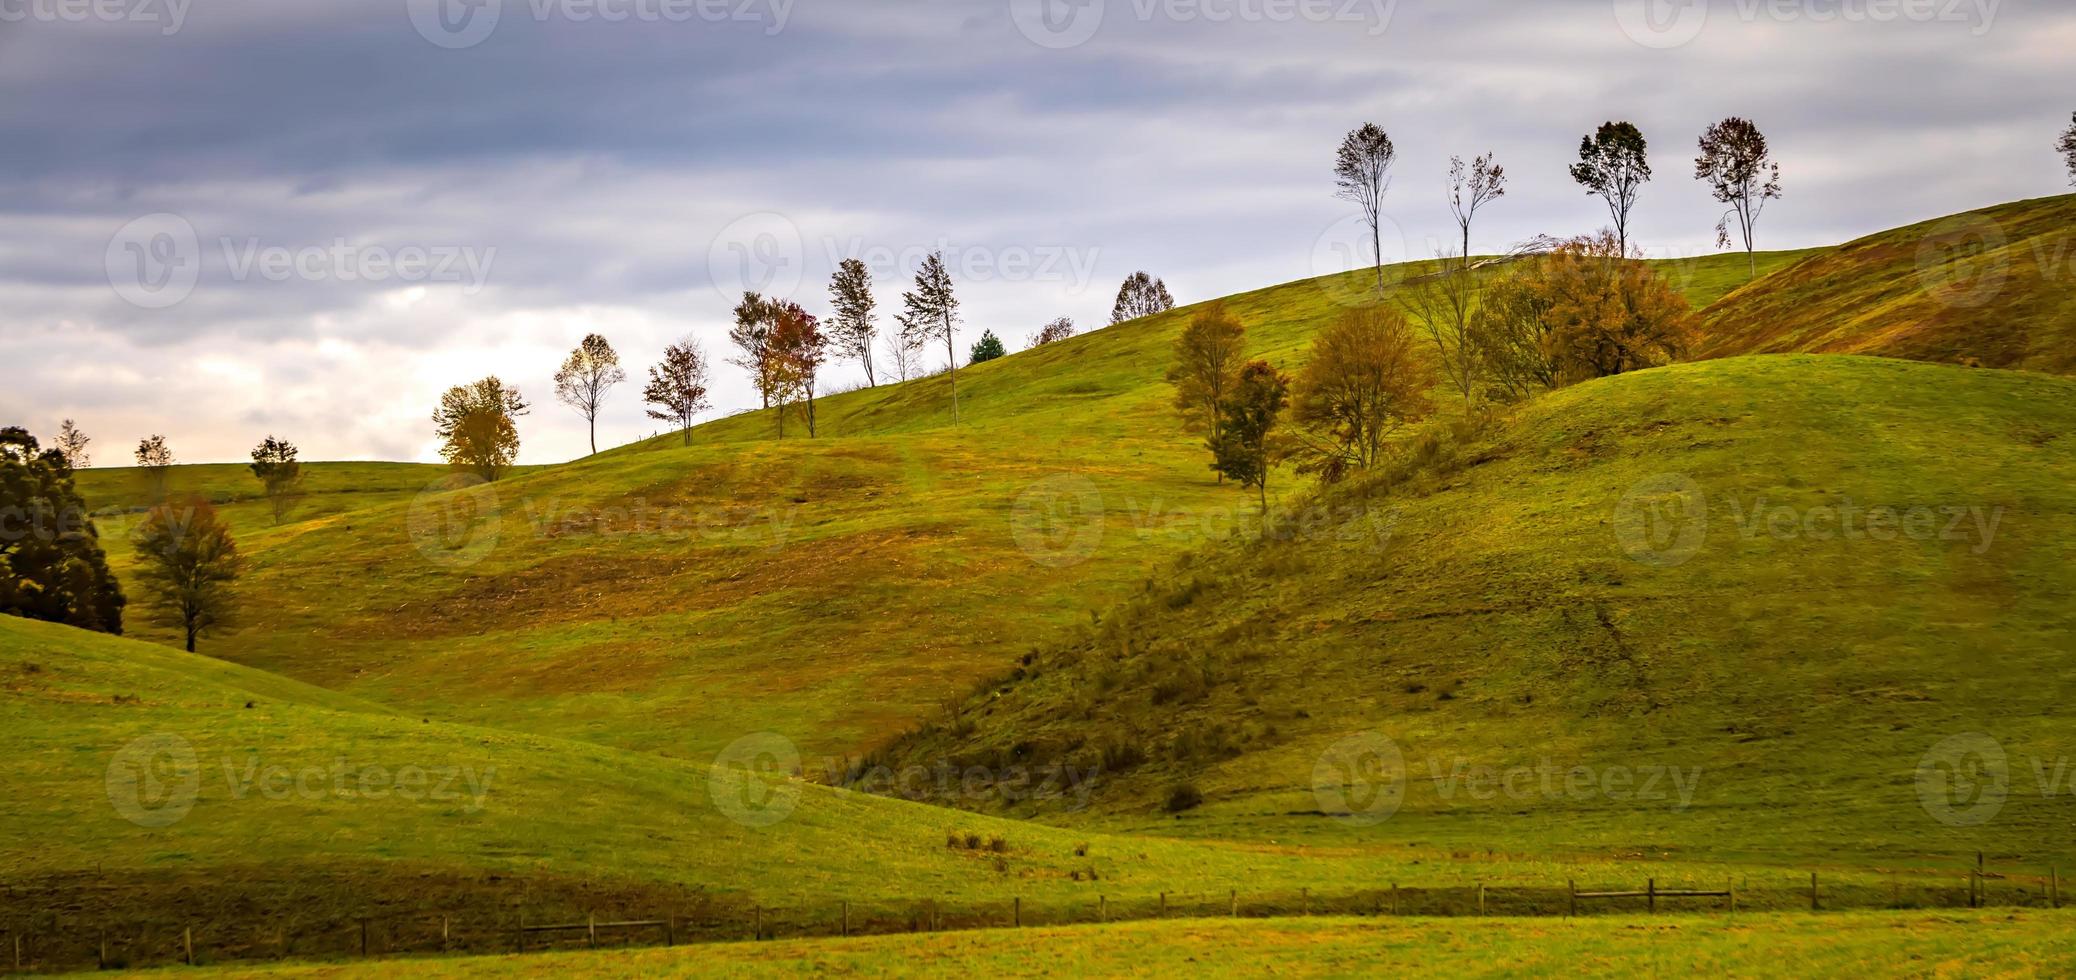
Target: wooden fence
63, 946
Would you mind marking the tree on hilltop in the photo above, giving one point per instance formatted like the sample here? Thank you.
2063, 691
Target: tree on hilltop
751, 336
930, 313
677, 386
585, 377
1471, 188
274, 463
2067, 146
1054, 332
478, 426
987, 348
155, 459
1362, 173
850, 325
1740, 172
73, 443
1614, 165
797, 349
1140, 295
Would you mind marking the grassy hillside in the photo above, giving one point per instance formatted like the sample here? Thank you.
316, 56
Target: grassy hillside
1671, 572
1995, 287
1886, 944
165, 791
673, 599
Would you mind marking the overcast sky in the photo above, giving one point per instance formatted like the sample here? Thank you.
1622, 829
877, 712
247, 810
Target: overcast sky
221, 219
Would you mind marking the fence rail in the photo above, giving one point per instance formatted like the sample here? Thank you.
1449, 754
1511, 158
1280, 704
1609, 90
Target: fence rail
82, 943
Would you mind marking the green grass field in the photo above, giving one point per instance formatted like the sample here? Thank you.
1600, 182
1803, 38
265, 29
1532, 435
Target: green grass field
1995, 287
1056, 584
2003, 944
1514, 609
672, 599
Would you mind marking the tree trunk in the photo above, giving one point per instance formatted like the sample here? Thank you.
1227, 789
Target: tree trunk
869, 381
951, 356
594, 436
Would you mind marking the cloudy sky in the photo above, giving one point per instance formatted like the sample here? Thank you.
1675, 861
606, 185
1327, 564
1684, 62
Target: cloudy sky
225, 218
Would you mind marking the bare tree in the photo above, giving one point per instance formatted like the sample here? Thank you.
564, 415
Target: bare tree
901, 349
1362, 173
1740, 172
851, 329
1613, 163
1442, 303
1053, 332
931, 313
1472, 188
2067, 146
585, 377
677, 386
72, 444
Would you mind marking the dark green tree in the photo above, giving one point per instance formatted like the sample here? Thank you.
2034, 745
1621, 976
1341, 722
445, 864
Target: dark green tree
274, 463
987, 348
51, 565
1613, 164
1248, 446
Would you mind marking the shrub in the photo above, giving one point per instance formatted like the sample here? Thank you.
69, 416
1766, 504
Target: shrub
1184, 796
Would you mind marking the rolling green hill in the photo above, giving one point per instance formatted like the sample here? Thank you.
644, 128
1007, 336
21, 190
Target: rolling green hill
673, 599
1775, 587
165, 791
1995, 287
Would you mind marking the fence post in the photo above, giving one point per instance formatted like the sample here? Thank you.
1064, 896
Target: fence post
363, 938
846, 917
443, 934
521, 944
1394, 898
757, 931
1732, 889
1813, 906
1164, 905
1572, 885
2054, 888
670, 925
1650, 894
1236, 903
1481, 898
187, 944
591, 930
101, 958
1305, 896
1019, 911
1102, 908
